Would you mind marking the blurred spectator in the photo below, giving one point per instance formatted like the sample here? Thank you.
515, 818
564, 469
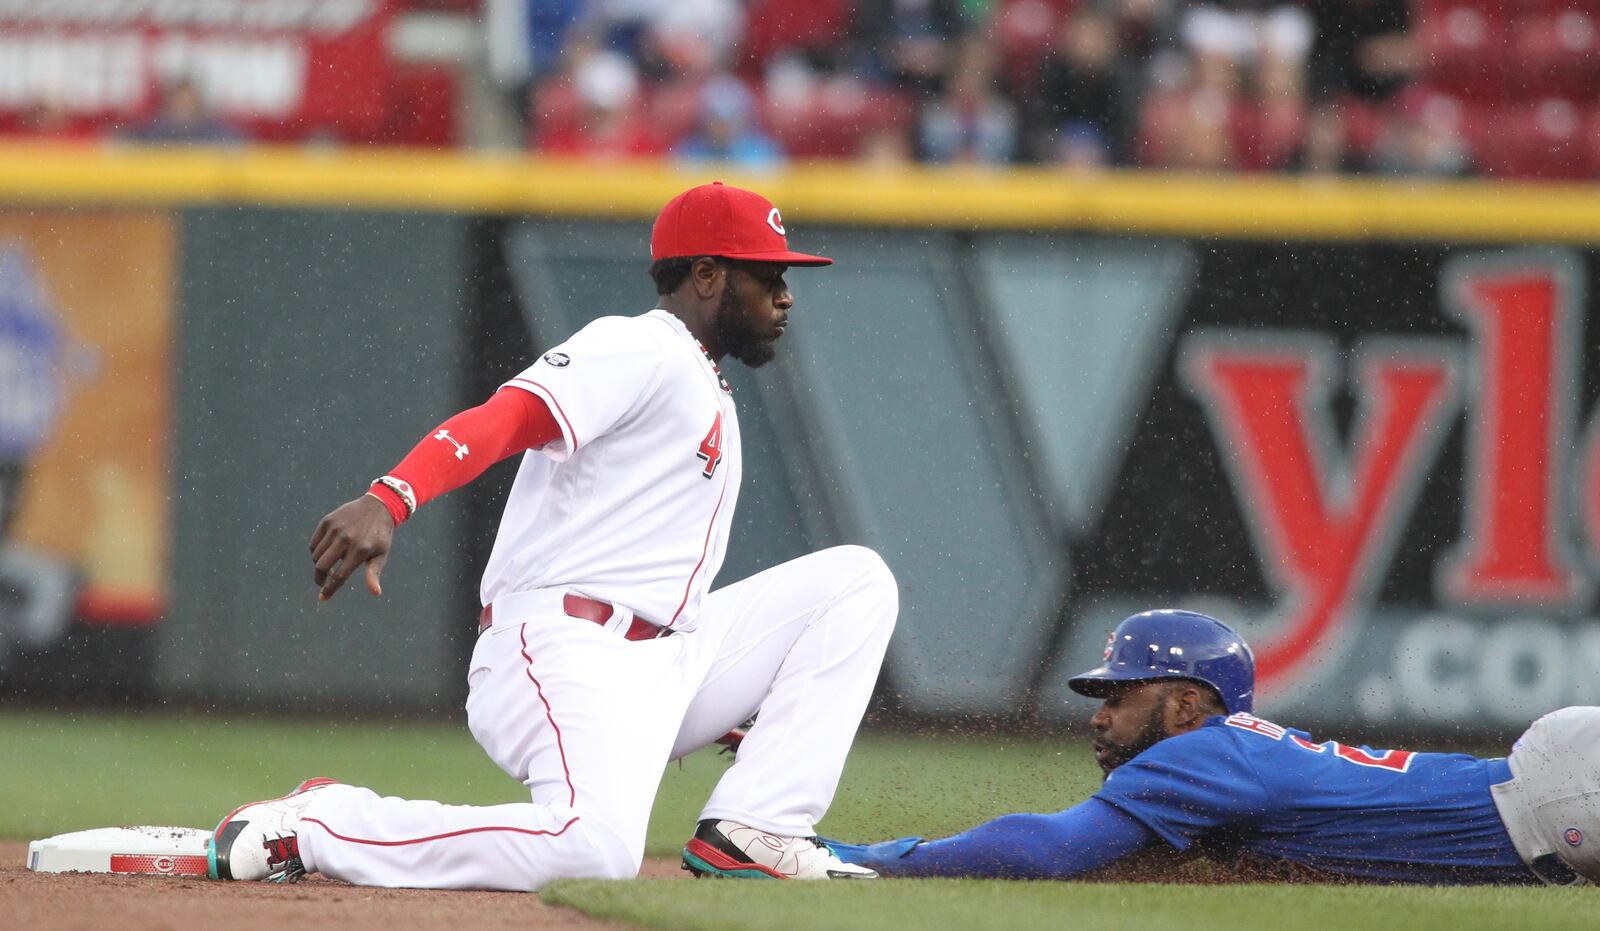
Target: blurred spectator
727, 130
969, 122
1279, 119
594, 109
524, 43
1240, 34
1363, 48
1022, 32
884, 147
48, 120
1145, 28
908, 44
1211, 85
837, 115
691, 39
813, 32
1363, 53
1422, 136
1077, 115
618, 25
1253, 53
1324, 147
1186, 123
548, 22
182, 116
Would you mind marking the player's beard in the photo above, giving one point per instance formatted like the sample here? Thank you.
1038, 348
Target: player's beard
737, 336
1152, 732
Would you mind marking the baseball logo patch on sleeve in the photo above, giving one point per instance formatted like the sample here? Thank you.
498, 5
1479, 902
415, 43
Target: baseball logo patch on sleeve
557, 359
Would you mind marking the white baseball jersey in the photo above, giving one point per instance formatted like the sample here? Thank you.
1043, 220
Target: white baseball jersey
633, 504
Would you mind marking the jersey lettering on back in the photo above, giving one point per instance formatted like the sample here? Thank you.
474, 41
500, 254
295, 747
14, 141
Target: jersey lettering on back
1398, 761
1273, 793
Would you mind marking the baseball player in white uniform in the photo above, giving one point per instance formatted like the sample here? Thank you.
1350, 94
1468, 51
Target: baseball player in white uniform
603, 651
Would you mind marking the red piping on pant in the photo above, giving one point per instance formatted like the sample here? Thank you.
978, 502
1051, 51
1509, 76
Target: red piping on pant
704, 550
423, 840
572, 793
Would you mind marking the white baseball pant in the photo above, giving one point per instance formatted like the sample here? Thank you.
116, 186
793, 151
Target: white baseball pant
588, 721
1551, 804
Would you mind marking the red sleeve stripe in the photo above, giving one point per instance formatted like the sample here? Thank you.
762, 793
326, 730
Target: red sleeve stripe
546, 394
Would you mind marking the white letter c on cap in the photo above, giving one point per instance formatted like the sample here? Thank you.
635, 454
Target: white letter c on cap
776, 222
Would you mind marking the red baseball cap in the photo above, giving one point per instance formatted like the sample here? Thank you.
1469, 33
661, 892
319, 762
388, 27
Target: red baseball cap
715, 219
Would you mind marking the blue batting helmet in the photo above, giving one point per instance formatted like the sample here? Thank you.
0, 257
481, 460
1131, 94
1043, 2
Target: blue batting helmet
1170, 644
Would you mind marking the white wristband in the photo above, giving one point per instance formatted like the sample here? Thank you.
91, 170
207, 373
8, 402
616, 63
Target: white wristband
402, 488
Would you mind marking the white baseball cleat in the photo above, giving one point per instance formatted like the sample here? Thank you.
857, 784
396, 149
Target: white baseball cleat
730, 850
258, 841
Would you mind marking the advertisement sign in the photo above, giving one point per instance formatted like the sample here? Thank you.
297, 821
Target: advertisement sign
1383, 465
1379, 461
86, 308
321, 64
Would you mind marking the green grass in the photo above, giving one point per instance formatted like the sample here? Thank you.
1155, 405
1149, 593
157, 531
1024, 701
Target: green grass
65, 772
972, 905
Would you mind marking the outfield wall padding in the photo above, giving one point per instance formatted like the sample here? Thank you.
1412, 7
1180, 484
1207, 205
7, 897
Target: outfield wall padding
1357, 420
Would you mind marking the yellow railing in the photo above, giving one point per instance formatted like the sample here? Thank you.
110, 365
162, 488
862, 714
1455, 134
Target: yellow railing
1118, 202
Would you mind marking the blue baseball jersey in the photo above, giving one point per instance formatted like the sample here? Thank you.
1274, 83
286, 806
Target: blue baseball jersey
1247, 785
1242, 787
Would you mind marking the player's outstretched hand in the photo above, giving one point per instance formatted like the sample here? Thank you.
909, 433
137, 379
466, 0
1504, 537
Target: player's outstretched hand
358, 532
880, 856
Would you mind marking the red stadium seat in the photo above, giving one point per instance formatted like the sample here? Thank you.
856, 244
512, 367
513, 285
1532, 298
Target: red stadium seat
832, 124
1025, 31
556, 109
776, 26
1592, 141
1497, 9
669, 111
1464, 49
422, 108
1526, 9
1362, 122
672, 111
1266, 139
1557, 54
1534, 140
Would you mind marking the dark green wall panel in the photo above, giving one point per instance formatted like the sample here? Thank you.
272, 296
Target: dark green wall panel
315, 348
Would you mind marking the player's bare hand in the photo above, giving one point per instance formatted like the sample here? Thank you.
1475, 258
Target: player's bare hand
357, 533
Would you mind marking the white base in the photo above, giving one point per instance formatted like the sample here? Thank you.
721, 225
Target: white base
165, 851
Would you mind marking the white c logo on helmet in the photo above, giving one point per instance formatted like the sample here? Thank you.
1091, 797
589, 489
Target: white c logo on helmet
776, 222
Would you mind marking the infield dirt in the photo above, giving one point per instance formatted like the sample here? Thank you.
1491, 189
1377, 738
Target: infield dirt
46, 902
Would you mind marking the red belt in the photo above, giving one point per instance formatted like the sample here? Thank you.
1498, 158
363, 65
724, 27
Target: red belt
590, 609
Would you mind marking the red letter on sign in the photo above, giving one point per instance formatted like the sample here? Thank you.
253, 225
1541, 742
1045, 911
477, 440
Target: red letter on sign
1512, 548
711, 447
1326, 518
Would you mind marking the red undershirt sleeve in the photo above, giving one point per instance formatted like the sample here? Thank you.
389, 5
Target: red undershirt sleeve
464, 447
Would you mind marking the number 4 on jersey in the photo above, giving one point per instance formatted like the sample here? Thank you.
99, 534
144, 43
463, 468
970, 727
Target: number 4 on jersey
711, 447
